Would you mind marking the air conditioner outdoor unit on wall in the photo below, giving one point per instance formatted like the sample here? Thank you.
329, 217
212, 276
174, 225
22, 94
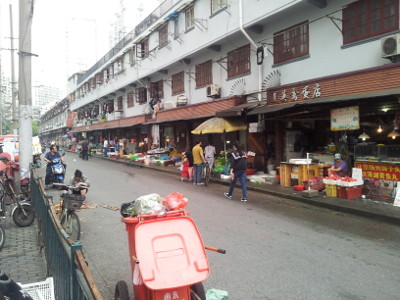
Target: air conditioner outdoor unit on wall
213, 90
390, 45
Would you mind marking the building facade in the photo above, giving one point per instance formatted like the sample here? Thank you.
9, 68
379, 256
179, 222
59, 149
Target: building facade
281, 66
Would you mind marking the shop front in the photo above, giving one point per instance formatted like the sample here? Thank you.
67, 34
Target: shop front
337, 114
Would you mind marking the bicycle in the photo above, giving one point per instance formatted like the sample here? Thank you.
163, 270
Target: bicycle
70, 202
206, 172
23, 213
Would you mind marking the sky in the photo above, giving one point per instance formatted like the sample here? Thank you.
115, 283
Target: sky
63, 28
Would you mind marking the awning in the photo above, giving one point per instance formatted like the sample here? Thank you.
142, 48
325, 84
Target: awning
338, 99
120, 123
219, 125
238, 110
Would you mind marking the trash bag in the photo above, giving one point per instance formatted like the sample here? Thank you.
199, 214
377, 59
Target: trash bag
175, 201
128, 209
214, 294
149, 204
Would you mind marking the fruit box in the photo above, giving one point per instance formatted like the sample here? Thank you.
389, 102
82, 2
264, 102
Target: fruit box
349, 192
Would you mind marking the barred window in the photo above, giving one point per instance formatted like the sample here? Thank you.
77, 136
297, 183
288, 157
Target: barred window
130, 101
141, 95
189, 18
120, 104
291, 43
216, 5
239, 61
156, 89
204, 73
163, 35
369, 18
178, 83
142, 49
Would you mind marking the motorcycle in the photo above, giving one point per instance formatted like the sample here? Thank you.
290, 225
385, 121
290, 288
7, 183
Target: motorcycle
57, 171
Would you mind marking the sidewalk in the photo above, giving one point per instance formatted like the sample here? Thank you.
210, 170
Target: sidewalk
21, 258
369, 207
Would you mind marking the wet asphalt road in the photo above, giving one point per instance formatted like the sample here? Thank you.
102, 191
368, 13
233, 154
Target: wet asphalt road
276, 248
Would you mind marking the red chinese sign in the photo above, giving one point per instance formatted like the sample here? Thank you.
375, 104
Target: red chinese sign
379, 171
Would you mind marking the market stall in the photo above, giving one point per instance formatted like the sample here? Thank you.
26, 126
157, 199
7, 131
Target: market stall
380, 169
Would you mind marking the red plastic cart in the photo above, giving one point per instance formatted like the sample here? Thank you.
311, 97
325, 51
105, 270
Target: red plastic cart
168, 258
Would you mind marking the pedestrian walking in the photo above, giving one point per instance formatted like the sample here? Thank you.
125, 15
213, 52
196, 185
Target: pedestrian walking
238, 171
85, 150
198, 161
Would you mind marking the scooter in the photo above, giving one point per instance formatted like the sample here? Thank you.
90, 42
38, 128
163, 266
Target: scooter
57, 171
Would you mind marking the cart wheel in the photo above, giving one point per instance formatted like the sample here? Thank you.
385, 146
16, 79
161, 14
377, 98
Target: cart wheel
197, 289
121, 291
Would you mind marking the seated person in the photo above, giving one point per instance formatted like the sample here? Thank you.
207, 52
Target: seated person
339, 167
80, 182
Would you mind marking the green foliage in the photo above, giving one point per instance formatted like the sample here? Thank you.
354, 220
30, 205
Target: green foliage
35, 128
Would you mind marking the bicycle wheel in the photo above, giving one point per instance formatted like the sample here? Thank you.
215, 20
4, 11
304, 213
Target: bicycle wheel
2, 237
72, 225
207, 175
24, 215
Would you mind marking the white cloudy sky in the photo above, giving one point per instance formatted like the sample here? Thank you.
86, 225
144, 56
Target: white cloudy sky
49, 29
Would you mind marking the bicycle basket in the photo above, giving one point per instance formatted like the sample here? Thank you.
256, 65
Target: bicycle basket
71, 201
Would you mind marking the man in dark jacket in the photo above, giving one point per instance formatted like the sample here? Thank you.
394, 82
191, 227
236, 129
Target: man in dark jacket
238, 171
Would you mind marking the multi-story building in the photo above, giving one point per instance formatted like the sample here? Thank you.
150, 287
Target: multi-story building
5, 103
286, 67
46, 94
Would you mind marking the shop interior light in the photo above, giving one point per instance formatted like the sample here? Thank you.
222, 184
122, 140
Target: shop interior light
379, 130
363, 136
393, 134
385, 109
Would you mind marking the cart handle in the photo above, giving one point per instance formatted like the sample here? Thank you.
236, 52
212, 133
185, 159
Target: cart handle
222, 251
135, 259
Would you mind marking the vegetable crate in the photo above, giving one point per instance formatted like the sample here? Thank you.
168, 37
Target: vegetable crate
42, 290
331, 190
349, 192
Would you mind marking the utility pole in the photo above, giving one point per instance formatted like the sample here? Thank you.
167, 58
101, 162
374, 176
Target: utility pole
25, 85
13, 80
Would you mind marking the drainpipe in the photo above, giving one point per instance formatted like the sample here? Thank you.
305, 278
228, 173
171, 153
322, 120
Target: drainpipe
260, 67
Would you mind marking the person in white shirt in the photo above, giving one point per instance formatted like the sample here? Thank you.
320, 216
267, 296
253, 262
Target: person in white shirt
209, 154
105, 148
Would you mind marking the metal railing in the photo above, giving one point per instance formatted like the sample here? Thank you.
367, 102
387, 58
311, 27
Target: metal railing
65, 260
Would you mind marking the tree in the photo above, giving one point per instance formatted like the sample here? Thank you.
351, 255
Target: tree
35, 128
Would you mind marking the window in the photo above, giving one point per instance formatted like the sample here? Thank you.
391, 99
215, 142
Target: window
291, 43
92, 83
369, 18
141, 95
216, 5
120, 105
132, 61
99, 79
239, 61
119, 65
189, 18
176, 29
142, 50
106, 75
156, 89
130, 99
204, 73
178, 83
163, 35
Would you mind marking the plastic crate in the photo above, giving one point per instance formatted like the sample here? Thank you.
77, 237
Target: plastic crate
42, 290
73, 201
350, 192
331, 190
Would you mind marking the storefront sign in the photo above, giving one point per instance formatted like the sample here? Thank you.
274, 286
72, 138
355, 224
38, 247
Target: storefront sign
347, 118
296, 93
379, 179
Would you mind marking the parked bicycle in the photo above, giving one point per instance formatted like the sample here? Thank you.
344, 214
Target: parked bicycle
23, 213
206, 173
70, 202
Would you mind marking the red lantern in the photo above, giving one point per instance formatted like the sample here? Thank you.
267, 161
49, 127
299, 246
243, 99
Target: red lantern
132, 141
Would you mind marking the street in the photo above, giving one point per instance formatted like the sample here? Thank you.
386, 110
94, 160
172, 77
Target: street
276, 248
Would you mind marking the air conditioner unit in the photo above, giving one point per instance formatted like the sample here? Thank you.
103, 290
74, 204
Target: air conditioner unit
390, 45
213, 90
